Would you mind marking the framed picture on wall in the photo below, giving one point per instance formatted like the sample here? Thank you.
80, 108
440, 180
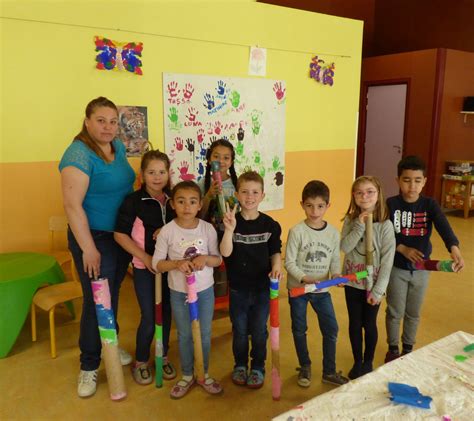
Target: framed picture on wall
133, 129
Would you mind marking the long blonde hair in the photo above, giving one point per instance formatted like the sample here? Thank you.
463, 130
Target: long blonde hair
84, 135
380, 213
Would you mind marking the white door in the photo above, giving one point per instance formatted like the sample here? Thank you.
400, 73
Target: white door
385, 125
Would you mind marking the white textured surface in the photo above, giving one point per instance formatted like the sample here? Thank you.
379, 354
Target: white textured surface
432, 369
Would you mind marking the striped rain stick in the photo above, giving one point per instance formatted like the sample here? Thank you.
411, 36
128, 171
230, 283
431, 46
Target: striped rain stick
216, 175
108, 337
353, 277
435, 265
158, 332
195, 326
275, 339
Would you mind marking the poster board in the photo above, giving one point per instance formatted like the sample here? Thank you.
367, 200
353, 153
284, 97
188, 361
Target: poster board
249, 112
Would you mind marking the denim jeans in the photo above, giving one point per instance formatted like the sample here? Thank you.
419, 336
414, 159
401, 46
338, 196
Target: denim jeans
113, 266
181, 317
322, 305
249, 311
144, 283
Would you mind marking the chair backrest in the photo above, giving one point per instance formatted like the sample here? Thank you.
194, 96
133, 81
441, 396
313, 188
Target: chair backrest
56, 224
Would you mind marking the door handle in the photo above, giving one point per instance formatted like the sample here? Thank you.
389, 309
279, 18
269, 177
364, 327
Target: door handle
398, 148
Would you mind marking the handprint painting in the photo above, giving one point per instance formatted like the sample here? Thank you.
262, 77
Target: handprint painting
133, 129
248, 112
115, 55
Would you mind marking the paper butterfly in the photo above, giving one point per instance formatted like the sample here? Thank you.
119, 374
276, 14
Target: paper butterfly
118, 55
321, 72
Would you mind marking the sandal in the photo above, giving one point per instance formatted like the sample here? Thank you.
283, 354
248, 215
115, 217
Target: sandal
169, 372
181, 388
141, 373
211, 386
239, 376
255, 379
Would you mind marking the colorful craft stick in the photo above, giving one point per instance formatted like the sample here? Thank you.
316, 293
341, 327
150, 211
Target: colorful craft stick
195, 326
275, 339
217, 176
435, 265
369, 252
108, 337
352, 277
158, 332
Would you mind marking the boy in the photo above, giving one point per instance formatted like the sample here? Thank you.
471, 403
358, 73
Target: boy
413, 216
252, 247
312, 254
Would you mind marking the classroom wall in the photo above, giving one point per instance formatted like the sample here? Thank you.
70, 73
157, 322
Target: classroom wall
456, 137
49, 75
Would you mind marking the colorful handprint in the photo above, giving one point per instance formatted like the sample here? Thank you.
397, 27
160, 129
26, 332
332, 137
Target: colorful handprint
239, 149
188, 91
200, 136
178, 143
173, 116
192, 113
190, 144
217, 128
257, 157
235, 99
279, 91
209, 104
220, 88
183, 172
173, 89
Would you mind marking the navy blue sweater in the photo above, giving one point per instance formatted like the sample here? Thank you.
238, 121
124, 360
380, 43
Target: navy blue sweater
413, 223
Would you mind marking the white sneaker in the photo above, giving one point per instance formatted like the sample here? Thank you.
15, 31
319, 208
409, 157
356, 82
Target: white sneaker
125, 357
87, 383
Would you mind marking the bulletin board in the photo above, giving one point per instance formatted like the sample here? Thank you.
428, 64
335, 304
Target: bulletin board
249, 112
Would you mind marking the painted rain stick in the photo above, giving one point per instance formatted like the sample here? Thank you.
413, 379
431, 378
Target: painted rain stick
216, 175
158, 332
195, 326
108, 337
369, 251
352, 277
275, 338
435, 265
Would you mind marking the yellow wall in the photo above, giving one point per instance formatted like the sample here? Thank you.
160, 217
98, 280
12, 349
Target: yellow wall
48, 76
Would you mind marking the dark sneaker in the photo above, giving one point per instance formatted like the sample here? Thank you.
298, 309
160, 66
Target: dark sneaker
367, 367
356, 371
335, 378
304, 376
391, 355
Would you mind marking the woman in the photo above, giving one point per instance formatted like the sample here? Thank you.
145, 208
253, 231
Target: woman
95, 177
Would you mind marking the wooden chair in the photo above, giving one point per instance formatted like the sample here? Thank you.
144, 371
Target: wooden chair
47, 298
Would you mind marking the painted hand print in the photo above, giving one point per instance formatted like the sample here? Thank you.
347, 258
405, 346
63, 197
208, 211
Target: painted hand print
249, 113
321, 72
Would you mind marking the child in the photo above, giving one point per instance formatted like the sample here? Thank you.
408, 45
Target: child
413, 216
174, 240
140, 216
222, 151
363, 304
252, 247
312, 255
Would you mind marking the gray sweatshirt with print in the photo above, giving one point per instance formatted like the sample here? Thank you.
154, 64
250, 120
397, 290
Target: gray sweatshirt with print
312, 252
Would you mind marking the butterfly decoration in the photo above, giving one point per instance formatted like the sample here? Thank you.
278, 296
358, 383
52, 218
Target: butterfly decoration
321, 72
115, 55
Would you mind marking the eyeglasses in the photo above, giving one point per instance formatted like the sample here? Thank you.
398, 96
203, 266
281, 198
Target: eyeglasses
368, 193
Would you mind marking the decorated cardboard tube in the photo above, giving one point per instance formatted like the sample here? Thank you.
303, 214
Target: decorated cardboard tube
435, 265
108, 337
275, 338
352, 277
158, 332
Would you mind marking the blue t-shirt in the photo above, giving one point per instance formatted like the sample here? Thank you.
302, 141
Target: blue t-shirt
109, 183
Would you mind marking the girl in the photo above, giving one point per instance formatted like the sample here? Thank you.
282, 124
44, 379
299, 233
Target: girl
220, 150
184, 233
362, 304
95, 178
141, 215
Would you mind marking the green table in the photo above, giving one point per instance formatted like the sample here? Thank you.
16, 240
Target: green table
21, 274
